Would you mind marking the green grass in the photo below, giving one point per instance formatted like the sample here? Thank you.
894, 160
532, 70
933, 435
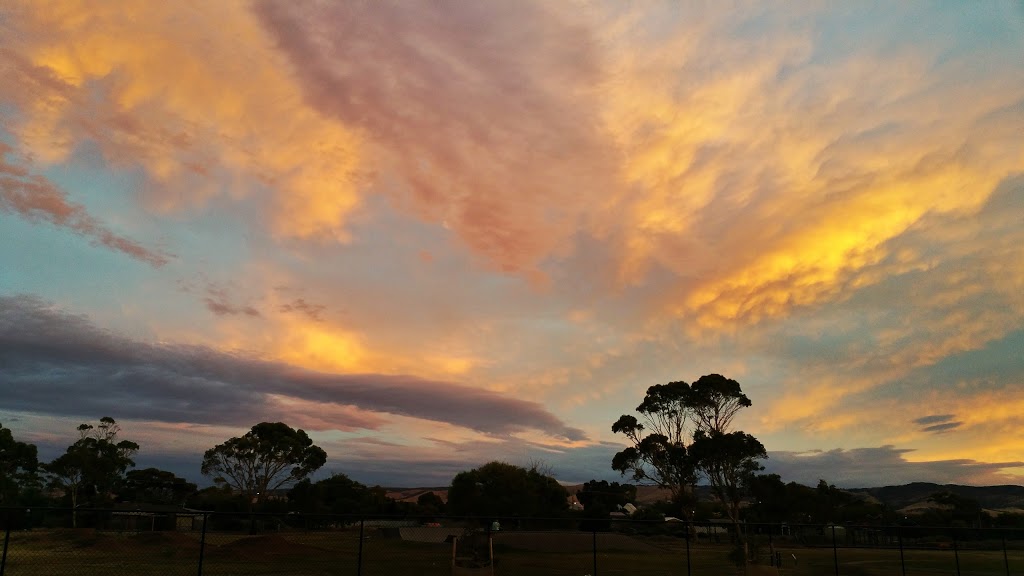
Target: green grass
88, 553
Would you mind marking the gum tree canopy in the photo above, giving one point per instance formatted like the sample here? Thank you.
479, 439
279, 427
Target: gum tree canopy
93, 467
684, 434
271, 455
155, 486
501, 490
18, 466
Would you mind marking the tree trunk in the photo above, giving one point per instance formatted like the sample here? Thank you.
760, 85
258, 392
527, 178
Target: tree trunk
74, 507
252, 516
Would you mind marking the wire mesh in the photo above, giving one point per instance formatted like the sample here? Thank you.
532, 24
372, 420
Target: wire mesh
114, 542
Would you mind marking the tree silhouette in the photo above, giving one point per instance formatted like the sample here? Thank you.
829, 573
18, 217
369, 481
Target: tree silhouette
685, 434
271, 455
18, 466
94, 465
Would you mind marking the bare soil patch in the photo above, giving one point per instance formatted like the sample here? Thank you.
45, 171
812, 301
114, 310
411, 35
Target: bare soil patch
570, 542
263, 546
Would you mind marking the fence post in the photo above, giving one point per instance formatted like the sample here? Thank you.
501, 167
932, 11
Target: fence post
835, 550
689, 532
359, 557
202, 544
903, 564
595, 550
956, 553
7, 539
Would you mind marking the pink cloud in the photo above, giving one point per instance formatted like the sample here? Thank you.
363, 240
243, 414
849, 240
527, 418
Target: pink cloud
313, 415
484, 116
35, 198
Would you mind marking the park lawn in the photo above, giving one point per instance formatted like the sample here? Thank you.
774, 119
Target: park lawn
88, 553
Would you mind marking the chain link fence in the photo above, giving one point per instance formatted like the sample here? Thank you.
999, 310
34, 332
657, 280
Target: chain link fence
122, 542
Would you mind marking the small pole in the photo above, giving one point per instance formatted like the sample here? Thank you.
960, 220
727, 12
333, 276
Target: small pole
956, 554
688, 531
359, 559
903, 564
455, 542
202, 544
1006, 559
595, 551
835, 550
7, 540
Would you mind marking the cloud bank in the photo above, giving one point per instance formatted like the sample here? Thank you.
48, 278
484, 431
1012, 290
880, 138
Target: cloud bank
58, 363
883, 466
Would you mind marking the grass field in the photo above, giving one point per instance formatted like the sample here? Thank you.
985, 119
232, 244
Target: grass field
91, 553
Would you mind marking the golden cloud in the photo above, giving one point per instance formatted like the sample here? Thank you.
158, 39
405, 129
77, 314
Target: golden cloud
194, 93
770, 181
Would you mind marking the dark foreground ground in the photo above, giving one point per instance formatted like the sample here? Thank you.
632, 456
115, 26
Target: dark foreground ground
86, 552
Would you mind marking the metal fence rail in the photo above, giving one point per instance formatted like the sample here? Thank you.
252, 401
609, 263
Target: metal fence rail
88, 542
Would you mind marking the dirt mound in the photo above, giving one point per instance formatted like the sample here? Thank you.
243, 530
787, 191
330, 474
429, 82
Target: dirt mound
262, 546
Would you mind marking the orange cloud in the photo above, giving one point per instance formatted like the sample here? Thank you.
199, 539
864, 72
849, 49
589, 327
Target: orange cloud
255, 314
769, 182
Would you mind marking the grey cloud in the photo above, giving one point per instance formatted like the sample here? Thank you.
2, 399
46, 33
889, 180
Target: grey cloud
934, 419
882, 466
225, 308
946, 427
53, 362
314, 312
220, 303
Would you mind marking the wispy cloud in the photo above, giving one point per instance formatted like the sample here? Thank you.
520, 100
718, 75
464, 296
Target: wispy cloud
938, 423
934, 419
938, 428
314, 312
776, 166
182, 109
959, 297
484, 115
218, 302
35, 198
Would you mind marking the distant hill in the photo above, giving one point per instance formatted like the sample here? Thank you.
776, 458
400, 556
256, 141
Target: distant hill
413, 494
913, 496
917, 493
651, 494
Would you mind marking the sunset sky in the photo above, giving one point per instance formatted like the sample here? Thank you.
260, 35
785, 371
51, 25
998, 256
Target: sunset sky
434, 234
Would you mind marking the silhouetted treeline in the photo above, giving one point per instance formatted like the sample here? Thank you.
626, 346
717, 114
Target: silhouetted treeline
97, 471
